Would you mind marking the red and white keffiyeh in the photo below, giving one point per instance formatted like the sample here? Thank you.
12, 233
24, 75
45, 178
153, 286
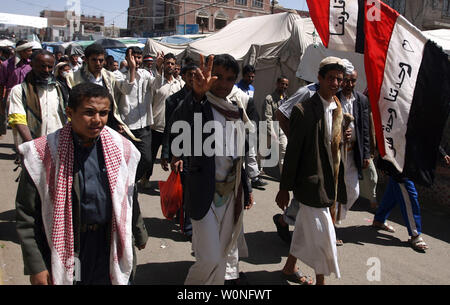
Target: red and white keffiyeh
49, 161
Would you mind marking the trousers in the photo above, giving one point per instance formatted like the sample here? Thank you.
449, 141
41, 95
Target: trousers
405, 195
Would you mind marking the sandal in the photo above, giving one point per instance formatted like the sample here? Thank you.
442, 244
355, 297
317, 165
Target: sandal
417, 243
297, 277
339, 242
384, 227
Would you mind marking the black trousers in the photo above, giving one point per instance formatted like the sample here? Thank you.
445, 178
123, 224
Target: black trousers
145, 148
157, 139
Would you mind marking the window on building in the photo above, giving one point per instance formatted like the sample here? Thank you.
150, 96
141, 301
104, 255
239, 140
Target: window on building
222, 1
446, 8
219, 23
398, 5
435, 4
203, 23
257, 3
171, 19
132, 2
141, 2
241, 2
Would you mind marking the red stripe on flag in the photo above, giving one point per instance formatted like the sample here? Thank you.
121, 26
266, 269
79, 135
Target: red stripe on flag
378, 36
319, 10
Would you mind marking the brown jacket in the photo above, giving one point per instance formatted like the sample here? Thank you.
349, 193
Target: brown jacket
308, 163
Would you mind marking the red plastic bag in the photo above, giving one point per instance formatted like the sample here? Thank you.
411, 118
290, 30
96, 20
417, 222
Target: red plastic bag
171, 194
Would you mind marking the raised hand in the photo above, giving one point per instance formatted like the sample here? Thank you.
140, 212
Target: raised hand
159, 61
203, 79
130, 60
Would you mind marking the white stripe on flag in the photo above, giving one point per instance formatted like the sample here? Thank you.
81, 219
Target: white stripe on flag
343, 25
400, 75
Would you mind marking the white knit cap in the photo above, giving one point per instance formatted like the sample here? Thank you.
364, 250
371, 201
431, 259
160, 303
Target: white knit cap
349, 68
331, 60
24, 46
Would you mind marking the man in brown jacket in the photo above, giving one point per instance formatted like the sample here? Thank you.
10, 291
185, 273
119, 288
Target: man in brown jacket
314, 172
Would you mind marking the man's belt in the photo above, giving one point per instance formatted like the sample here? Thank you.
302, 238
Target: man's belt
91, 228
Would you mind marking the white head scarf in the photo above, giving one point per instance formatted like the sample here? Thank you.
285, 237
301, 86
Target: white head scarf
349, 68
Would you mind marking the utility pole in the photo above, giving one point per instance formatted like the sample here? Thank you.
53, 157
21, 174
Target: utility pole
184, 8
112, 36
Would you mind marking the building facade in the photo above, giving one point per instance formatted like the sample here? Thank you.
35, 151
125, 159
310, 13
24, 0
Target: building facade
67, 26
159, 18
424, 14
61, 25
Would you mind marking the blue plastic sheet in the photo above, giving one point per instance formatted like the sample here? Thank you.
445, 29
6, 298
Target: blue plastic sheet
118, 54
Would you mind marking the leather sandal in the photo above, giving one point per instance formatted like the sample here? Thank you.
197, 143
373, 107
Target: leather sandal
384, 227
297, 277
417, 243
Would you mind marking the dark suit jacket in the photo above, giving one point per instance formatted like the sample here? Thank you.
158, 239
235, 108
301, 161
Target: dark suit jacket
199, 171
307, 169
252, 113
361, 115
171, 104
30, 228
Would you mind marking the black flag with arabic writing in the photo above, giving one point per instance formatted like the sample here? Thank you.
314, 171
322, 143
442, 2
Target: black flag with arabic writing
408, 79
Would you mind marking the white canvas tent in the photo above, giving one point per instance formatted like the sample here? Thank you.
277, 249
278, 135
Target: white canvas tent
23, 20
274, 44
308, 68
153, 47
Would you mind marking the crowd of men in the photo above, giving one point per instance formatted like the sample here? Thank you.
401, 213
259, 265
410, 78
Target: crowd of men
88, 130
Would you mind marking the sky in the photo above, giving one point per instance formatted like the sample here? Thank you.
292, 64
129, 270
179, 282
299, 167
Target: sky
113, 10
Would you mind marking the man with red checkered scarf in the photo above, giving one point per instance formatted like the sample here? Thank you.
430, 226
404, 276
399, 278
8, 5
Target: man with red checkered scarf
77, 214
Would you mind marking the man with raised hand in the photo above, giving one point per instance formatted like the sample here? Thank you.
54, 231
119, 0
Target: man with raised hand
213, 191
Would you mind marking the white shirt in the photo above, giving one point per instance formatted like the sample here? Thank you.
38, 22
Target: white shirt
95, 80
301, 95
180, 79
134, 104
161, 89
226, 144
118, 75
328, 115
49, 99
76, 67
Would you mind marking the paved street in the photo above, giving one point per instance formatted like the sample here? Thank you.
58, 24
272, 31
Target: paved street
168, 255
